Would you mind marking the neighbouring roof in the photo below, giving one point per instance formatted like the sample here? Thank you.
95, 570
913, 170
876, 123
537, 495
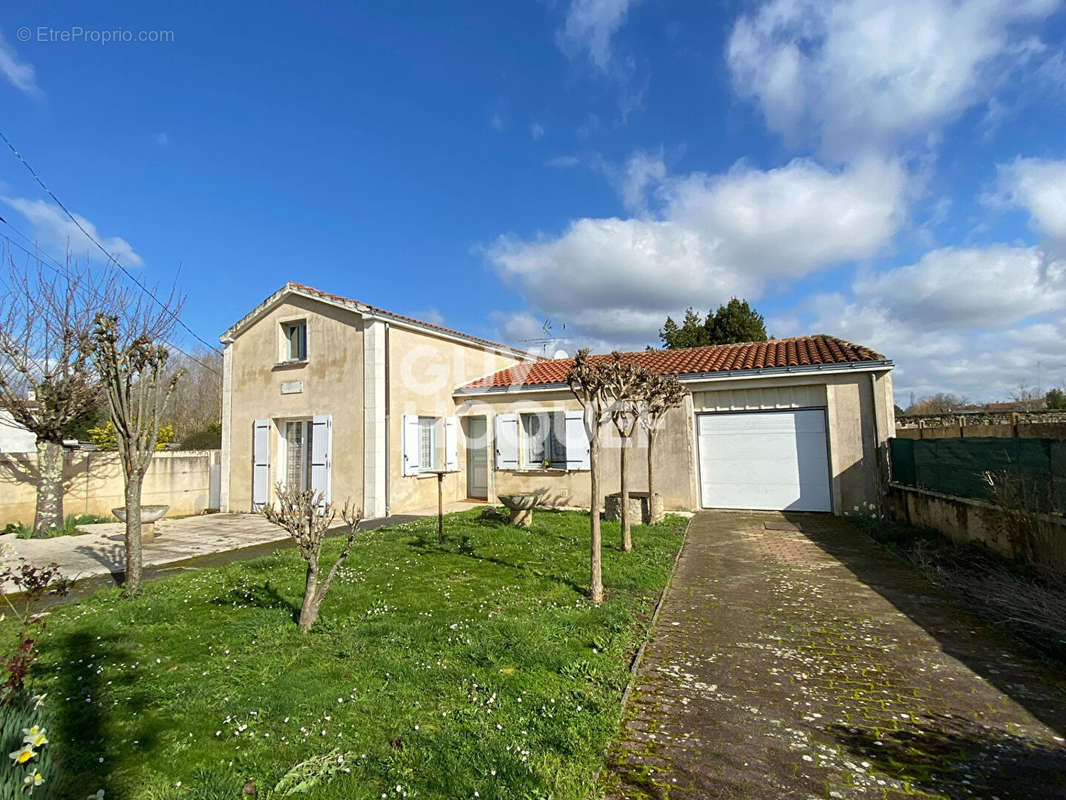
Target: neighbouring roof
802, 352
292, 288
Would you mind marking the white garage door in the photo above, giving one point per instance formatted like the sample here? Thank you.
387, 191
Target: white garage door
772, 460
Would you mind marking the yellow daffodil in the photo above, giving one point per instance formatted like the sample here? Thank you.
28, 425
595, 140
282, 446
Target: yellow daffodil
23, 755
36, 779
38, 699
34, 736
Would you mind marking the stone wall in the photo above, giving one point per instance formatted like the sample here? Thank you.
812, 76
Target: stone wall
93, 483
964, 520
1000, 424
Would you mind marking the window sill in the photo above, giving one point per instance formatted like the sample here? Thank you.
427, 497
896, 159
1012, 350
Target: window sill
290, 364
540, 470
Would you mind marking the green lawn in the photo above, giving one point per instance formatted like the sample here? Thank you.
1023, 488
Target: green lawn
472, 669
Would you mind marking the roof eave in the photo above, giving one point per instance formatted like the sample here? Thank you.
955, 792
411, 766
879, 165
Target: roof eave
365, 311
883, 365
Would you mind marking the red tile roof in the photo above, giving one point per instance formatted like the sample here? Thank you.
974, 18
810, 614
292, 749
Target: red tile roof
801, 351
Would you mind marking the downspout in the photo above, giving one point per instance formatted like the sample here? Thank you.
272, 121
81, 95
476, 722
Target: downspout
880, 449
388, 422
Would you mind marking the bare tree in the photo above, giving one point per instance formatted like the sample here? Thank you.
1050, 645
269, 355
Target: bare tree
306, 517
661, 394
46, 378
133, 370
198, 398
590, 384
627, 383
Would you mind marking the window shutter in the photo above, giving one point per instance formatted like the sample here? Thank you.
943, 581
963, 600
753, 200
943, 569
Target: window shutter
451, 444
577, 441
260, 463
321, 454
411, 444
506, 441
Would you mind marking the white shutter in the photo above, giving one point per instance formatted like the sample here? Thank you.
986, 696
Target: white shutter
577, 441
451, 444
260, 463
506, 441
321, 454
411, 443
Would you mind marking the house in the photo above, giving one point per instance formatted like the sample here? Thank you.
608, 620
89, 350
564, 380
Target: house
363, 404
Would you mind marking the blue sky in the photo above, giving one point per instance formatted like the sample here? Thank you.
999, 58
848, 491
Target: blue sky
894, 174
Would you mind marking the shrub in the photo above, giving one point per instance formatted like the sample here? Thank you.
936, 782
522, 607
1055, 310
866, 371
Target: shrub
209, 438
70, 527
104, 437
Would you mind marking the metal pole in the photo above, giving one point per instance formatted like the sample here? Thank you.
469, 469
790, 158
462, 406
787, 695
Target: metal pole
440, 506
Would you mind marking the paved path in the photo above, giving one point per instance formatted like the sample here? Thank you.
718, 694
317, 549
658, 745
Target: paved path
789, 664
100, 552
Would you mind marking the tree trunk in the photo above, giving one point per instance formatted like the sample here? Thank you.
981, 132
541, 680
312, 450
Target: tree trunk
627, 538
134, 561
49, 510
595, 560
312, 599
654, 517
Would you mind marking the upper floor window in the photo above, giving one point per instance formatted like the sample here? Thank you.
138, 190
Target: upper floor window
294, 340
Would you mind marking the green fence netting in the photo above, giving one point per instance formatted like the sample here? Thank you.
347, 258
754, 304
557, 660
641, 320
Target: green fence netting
958, 467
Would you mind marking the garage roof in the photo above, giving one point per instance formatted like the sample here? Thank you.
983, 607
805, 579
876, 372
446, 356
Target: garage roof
800, 351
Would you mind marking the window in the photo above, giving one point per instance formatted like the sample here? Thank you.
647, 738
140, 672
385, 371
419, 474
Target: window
294, 345
298, 455
544, 438
427, 444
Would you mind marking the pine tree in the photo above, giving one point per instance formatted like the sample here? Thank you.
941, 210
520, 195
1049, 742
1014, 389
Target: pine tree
735, 322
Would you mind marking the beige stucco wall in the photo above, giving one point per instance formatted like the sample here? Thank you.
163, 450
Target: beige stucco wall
857, 428
332, 378
423, 372
674, 455
92, 483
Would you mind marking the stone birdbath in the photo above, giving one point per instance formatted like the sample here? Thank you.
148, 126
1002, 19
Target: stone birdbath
521, 508
150, 515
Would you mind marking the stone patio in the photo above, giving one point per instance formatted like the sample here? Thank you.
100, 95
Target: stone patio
795, 658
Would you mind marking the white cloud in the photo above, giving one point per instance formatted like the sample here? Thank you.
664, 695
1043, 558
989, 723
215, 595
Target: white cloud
642, 171
19, 74
965, 288
964, 320
865, 73
536, 130
589, 28
563, 162
714, 237
1039, 187
56, 233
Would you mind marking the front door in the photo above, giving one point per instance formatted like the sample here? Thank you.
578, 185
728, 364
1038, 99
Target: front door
477, 458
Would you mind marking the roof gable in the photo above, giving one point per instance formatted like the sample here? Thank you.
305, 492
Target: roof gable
291, 289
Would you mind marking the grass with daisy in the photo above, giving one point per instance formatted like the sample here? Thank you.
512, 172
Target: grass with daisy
470, 669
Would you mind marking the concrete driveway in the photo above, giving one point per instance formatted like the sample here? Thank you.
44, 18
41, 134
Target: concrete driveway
811, 663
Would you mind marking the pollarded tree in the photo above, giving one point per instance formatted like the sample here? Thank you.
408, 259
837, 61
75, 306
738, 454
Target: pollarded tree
590, 383
627, 386
306, 517
133, 369
661, 394
46, 378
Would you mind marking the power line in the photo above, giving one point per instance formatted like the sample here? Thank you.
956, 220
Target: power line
110, 258
56, 269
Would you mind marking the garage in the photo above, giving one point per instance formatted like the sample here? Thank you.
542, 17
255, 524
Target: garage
767, 460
